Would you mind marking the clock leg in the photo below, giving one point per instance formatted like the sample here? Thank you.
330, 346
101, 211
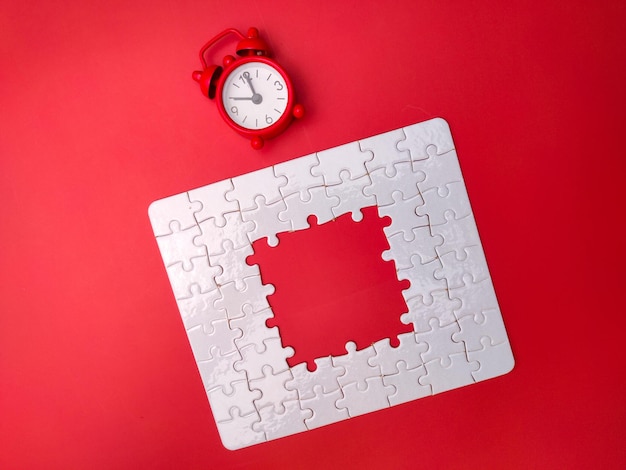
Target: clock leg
298, 111
257, 143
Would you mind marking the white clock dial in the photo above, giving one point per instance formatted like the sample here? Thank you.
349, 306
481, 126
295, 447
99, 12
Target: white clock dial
255, 95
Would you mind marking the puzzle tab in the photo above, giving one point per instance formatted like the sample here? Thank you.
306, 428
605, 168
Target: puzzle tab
455, 335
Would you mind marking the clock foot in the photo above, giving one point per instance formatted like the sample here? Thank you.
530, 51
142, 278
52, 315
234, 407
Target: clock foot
257, 143
298, 111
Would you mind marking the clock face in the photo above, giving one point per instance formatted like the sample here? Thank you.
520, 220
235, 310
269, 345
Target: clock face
255, 95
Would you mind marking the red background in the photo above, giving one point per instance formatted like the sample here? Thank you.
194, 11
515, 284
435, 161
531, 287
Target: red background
99, 117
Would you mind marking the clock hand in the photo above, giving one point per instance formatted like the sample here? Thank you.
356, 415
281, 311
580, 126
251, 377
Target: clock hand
241, 97
246, 76
256, 98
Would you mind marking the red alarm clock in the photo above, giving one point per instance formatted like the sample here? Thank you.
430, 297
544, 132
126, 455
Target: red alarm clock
254, 94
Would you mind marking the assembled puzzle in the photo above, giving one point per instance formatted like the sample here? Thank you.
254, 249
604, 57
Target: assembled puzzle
454, 335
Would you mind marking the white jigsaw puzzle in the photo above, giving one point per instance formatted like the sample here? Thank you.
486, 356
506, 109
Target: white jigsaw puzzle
410, 174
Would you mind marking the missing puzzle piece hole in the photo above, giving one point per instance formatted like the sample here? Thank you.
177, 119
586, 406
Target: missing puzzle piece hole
332, 286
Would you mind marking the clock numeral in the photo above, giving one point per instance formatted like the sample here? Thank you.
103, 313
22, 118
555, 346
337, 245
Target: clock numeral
279, 86
269, 119
234, 110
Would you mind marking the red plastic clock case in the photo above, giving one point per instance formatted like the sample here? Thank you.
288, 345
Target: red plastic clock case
250, 49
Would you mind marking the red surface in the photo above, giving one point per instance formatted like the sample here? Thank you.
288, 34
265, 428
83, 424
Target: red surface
333, 286
99, 117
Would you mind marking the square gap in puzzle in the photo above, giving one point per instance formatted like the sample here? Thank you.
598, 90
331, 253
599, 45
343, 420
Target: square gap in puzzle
332, 286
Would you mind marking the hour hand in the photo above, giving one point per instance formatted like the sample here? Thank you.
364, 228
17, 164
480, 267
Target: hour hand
256, 98
246, 76
236, 98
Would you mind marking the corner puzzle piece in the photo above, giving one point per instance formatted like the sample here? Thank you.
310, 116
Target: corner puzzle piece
241, 397
493, 359
475, 328
419, 137
239, 431
413, 177
173, 209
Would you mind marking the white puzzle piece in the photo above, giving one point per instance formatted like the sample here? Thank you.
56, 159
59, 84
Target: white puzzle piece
412, 175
